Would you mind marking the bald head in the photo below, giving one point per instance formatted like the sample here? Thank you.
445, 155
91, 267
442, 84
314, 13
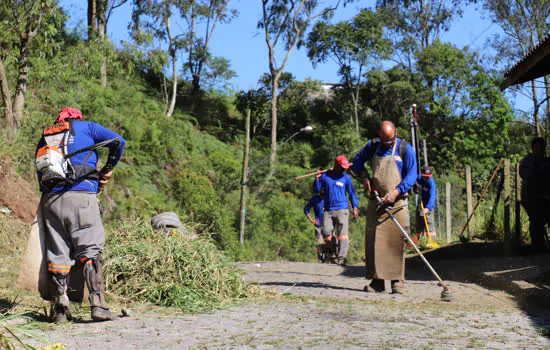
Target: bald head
388, 133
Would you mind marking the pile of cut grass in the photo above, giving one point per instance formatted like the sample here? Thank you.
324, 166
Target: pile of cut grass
145, 265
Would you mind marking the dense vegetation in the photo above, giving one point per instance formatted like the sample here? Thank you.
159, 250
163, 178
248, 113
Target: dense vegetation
189, 160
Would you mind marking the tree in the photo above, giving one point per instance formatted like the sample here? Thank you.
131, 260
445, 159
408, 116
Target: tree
22, 21
209, 13
467, 116
154, 17
390, 94
257, 101
354, 45
284, 23
417, 23
99, 12
524, 23
157, 17
218, 73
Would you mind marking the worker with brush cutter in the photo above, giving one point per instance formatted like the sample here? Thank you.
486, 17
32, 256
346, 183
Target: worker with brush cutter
393, 163
426, 188
66, 162
337, 186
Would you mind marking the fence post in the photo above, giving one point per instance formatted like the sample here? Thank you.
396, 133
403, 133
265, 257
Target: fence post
507, 203
469, 199
448, 211
242, 220
439, 231
518, 208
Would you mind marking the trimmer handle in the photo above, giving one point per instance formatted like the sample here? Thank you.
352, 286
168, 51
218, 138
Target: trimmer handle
377, 196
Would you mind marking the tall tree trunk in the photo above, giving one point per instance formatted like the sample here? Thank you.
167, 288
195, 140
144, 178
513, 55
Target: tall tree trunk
547, 91
6, 98
355, 97
92, 18
174, 86
195, 85
172, 50
274, 90
101, 31
23, 78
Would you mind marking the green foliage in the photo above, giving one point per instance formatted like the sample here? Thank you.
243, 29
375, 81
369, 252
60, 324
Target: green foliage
352, 44
191, 163
278, 229
338, 140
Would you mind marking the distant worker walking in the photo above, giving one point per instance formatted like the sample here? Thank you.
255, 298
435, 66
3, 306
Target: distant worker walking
425, 184
534, 170
317, 202
393, 165
337, 186
69, 183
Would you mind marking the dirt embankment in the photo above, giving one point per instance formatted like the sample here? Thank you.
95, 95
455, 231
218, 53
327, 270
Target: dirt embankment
16, 193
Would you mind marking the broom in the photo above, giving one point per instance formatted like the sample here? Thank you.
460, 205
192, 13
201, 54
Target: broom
431, 243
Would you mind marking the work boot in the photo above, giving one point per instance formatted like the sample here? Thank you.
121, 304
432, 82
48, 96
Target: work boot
375, 286
60, 310
415, 239
397, 287
321, 257
93, 274
342, 261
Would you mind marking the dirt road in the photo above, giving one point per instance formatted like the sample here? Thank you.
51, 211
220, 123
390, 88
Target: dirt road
324, 307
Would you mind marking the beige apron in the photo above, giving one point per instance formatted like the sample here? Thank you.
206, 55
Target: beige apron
384, 244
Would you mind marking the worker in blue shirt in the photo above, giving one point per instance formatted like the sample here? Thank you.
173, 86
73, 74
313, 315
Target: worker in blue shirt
316, 202
337, 186
393, 165
69, 208
425, 185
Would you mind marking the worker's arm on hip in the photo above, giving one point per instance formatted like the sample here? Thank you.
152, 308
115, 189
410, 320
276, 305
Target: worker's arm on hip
314, 222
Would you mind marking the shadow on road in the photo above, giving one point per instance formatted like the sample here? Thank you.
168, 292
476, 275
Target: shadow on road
485, 264
309, 285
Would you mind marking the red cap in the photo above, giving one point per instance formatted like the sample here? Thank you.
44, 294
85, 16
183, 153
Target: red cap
342, 161
68, 113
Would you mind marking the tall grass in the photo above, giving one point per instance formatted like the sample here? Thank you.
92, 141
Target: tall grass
142, 264
15, 335
13, 239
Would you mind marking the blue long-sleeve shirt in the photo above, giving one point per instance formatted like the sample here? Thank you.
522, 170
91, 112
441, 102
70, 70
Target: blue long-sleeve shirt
317, 203
428, 191
407, 166
87, 134
335, 188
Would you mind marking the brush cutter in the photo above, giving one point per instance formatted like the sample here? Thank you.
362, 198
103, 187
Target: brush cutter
446, 294
431, 243
318, 172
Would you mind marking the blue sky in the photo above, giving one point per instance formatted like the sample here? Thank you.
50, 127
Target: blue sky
245, 46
